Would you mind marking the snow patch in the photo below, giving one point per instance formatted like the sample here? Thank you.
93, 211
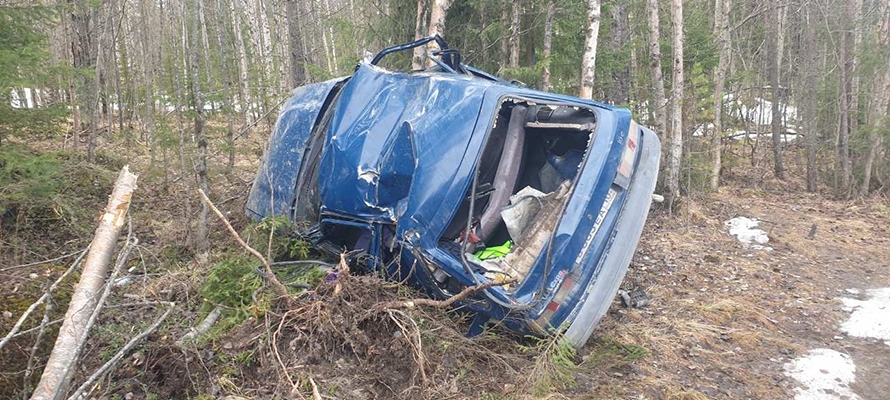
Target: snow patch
823, 374
870, 318
746, 231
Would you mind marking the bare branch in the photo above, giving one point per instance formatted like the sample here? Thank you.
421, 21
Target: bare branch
45, 297
276, 284
59, 258
412, 304
82, 390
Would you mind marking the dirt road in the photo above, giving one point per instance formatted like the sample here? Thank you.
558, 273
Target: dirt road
805, 319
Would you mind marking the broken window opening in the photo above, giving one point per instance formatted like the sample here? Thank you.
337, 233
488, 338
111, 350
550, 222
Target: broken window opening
524, 176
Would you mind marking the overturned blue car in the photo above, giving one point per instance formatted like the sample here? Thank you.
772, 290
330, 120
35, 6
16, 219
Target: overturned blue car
450, 177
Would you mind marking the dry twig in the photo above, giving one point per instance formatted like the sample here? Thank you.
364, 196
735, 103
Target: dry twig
316, 395
276, 284
203, 327
412, 304
46, 296
120, 354
416, 343
51, 260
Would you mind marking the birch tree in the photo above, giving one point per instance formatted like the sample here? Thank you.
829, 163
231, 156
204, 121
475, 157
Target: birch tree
514, 34
774, 73
295, 44
420, 28
721, 30
548, 45
676, 142
438, 12
810, 99
878, 108
588, 60
193, 34
660, 106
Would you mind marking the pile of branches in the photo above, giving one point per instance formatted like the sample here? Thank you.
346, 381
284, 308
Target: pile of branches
359, 337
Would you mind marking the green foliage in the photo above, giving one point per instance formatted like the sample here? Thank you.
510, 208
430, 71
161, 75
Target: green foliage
609, 349
555, 365
232, 282
27, 179
24, 63
284, 244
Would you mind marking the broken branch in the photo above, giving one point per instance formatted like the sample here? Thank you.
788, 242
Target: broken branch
123, 351
203, 327
469, 290
41, 300
273, 280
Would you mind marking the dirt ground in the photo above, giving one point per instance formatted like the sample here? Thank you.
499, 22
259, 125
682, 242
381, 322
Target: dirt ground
723, 322
725, 319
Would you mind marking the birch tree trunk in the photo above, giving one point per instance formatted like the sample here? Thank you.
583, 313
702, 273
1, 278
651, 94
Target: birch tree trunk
878, 110
327, 9
297, 58
514, 34
75, 327
854, 68
846, 60
201, 241
205, 42
548, 45
660, 106
420, 28
244, 97
721, 28
619, 40
588, 60
676, 144
774, 72
438, 12
810, 103
223, 43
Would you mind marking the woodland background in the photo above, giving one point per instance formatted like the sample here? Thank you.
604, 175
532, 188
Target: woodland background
789, 96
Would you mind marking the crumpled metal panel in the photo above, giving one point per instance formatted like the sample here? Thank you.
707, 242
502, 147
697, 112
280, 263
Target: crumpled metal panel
395, 136
273, 191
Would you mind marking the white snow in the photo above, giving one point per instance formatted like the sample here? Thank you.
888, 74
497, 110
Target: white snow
870, 318
746, 231
758, 110
823, 374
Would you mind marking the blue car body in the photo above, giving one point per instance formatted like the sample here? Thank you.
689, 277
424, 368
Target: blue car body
384, 164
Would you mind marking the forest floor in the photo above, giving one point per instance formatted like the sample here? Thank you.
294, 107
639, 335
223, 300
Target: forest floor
734, 322
805, 318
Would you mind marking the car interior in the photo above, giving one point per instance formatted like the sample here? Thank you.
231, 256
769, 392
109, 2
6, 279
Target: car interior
530, 160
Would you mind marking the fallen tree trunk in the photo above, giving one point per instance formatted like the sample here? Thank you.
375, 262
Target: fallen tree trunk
73, 333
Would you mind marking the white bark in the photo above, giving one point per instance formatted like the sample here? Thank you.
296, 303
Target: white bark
73, 333
438, 12
676, 143
514, 35
878, 112
419, 58
660, 106
244, 88
548, 45
721, 28
588, 61
327, 9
